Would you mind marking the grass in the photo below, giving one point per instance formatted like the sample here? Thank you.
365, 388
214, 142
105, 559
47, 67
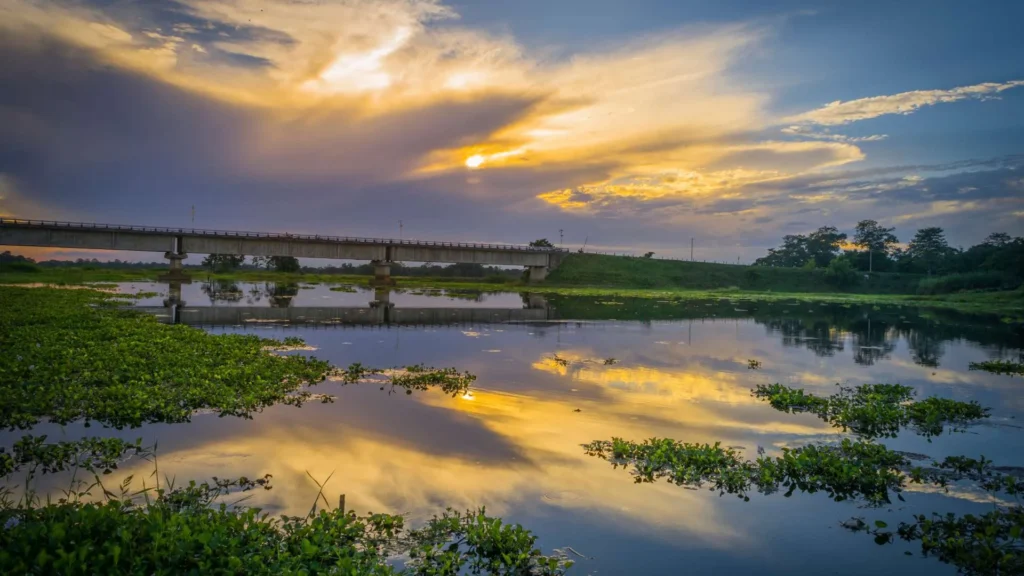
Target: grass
876, 410
624, 272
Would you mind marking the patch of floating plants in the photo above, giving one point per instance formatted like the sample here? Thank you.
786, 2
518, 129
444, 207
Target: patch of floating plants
876, 410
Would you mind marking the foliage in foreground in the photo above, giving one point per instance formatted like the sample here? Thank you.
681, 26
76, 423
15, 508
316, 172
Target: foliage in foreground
876, 410
184, 530
1000, 367
77, 354
989, 543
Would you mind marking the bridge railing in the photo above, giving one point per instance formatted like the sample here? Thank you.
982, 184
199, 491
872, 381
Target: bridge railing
270, 235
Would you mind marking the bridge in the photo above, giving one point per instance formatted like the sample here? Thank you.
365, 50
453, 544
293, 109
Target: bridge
178, 243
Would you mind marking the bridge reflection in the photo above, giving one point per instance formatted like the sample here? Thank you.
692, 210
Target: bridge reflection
377, 312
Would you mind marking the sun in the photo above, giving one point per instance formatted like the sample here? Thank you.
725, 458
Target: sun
475, 161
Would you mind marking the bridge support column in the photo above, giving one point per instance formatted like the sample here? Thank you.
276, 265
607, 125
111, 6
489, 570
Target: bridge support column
381, 297
537, 273
176, 273
536, 301
381, 273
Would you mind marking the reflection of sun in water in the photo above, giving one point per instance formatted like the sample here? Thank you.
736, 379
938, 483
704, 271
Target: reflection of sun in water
475, 161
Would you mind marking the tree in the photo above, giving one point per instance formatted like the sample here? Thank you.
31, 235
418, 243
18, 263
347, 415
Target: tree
928, 247
649, 255
284, 263
541, 243
872, 237
998, 240
823, 245
261, 261
223, 262
792, 254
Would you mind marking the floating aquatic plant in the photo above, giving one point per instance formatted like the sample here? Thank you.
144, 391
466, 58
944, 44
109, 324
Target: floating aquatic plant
851, 469
876, 410
1000, 367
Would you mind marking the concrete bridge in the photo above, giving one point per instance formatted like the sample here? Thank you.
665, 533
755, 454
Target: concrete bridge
178, 243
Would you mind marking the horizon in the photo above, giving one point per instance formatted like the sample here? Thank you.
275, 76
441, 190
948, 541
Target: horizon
628, 127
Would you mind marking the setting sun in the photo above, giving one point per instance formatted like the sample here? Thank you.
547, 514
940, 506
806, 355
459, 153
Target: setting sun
475, 161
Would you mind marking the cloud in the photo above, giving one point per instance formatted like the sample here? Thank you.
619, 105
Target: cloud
805, 132
839, 112
270, 115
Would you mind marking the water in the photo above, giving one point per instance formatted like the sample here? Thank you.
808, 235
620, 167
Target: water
513, 445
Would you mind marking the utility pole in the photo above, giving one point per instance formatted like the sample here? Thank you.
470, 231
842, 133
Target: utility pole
691, 249
559, 237
399, 229
193, 213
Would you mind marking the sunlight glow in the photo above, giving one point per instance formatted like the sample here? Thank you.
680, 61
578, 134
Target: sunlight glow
475, 161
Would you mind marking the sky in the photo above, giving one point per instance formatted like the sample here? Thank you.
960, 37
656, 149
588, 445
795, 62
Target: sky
631, 126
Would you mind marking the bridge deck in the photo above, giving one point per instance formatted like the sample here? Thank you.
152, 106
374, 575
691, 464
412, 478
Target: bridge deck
199, 232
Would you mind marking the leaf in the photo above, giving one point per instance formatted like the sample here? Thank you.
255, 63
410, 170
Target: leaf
880, 524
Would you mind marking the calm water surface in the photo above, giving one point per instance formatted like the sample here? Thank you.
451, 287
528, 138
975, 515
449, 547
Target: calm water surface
513, 445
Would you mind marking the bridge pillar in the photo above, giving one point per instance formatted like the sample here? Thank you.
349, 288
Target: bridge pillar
536, 301
537, 273
381, 297
176, 273
381, 273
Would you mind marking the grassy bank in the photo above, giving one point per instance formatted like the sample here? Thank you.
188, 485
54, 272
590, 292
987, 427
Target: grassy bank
697, 281
620, 272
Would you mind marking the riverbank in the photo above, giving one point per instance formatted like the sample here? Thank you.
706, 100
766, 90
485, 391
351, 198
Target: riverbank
1006, 303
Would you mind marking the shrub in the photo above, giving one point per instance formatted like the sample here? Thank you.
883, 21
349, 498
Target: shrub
967, 281
840, 273
21, 267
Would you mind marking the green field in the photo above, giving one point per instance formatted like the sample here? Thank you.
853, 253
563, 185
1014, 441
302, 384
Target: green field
626, 272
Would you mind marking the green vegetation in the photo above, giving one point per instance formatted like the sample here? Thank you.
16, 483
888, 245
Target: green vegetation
986, 280
875, 410
77, 354
986, 544
989, 543
1000, 367
849, 470
411, 378
171, 530
646, 273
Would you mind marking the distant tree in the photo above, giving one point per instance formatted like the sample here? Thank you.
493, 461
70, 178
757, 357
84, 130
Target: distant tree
261, 261
997, 240
284, 263
223, 262
792, 254
874, 238
648, 254
928, 247
542, 243
7, 258
824, 244
815, 250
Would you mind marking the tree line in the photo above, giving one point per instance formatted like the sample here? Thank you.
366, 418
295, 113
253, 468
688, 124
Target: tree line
875, 248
